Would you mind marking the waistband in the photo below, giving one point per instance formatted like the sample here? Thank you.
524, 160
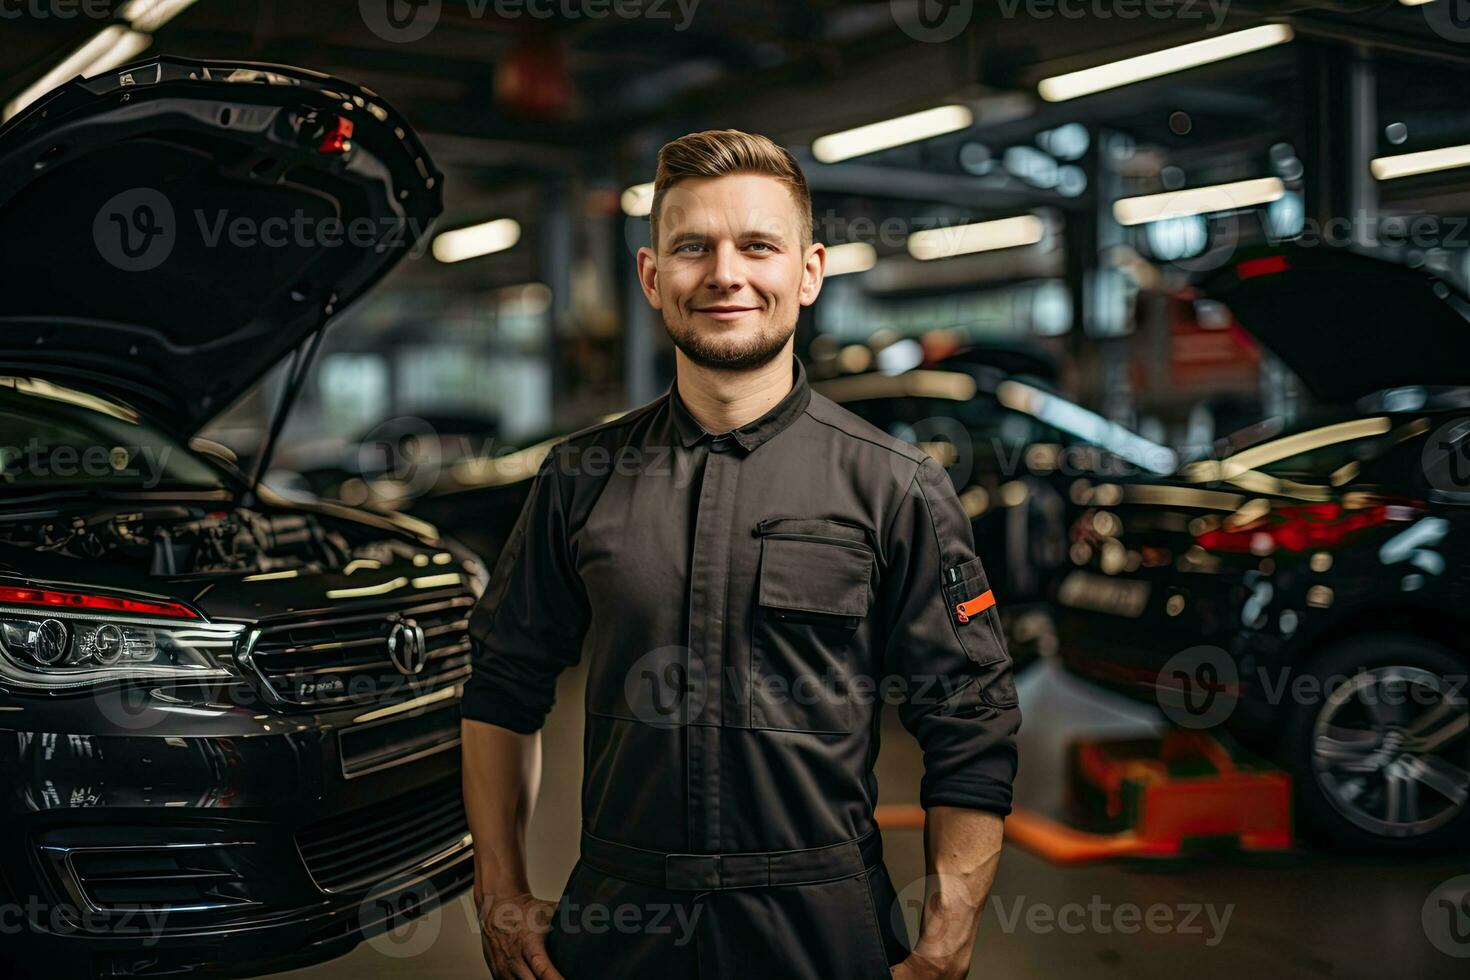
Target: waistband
744, 869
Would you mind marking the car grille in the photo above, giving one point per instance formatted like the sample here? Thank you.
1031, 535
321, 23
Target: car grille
364, 847
327, 661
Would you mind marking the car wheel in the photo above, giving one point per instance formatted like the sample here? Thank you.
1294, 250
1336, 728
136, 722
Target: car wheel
1378, 747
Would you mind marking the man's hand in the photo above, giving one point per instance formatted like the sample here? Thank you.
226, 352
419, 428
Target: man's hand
947, 936
513, 937
922, 965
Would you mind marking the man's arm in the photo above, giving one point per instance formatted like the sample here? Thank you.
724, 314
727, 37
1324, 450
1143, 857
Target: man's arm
945, 645
502, 776
526, 628
961, 854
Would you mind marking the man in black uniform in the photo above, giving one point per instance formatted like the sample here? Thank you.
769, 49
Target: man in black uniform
748, 572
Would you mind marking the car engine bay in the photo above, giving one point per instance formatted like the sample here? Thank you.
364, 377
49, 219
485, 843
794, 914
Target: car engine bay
191, 539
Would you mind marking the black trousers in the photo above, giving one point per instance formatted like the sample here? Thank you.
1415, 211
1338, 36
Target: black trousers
608, 926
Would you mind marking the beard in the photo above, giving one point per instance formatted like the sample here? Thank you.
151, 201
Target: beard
722, 353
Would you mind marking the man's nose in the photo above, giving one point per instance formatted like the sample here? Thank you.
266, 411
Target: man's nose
726, 271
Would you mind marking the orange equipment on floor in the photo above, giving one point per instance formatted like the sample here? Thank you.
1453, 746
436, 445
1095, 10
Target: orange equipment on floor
1160, 797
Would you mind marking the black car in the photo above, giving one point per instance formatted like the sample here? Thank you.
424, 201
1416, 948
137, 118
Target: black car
1305, 587
228, 720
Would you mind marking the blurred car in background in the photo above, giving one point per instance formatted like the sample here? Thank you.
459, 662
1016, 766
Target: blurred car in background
1012, 447
231, 718
1305, 587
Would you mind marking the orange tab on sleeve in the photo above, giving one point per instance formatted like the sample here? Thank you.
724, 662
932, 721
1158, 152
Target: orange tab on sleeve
975, 606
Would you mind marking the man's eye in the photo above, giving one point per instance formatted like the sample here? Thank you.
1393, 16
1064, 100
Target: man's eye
688, 247
760, 245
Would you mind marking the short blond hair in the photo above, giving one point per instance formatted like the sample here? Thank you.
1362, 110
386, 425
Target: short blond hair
718, 152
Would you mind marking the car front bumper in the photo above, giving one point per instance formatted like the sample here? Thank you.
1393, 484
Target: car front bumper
203, 837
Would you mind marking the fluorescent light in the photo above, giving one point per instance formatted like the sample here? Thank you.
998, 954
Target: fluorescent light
637, 200
891, 132
1089, 80
527, 299
1198, 200
1423, 162
477, 240
851, 257
984, 236
109, 48
900, 356
150, 15
1087, 425
1415, 3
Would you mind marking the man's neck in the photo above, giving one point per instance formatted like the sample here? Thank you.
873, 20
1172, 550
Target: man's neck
722, 400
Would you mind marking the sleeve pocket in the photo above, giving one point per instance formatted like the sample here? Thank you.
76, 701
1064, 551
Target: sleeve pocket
972, 608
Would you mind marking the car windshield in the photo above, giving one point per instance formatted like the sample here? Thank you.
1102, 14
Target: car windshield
52, 436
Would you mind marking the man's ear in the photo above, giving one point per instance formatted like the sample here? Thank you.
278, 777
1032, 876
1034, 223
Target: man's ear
648, 276
812, 272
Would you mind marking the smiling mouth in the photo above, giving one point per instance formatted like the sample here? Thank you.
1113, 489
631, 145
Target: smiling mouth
725, 309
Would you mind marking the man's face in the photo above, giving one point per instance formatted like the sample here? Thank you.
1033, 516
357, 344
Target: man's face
730, 271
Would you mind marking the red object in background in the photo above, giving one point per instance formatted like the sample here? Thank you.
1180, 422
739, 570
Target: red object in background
1267, 266
939, 344
335, 140
1210, 359
532, 81
1297, 528
22, 596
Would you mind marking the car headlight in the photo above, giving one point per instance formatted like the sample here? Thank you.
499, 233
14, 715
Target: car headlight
57, 647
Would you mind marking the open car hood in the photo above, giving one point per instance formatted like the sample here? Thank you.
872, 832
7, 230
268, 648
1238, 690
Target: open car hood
173, 228
1347, 324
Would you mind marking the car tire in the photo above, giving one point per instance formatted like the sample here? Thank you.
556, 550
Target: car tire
1376, 740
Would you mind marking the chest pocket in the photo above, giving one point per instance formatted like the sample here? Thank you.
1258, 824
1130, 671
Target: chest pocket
814, 590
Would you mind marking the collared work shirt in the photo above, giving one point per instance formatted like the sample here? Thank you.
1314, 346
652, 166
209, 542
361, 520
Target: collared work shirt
745, 604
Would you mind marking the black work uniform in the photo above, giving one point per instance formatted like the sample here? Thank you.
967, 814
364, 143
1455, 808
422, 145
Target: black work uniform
745, 603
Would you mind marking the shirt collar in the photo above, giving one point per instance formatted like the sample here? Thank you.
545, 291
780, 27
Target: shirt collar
751, 435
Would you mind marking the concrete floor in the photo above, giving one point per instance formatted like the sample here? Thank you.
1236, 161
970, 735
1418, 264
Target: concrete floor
1303, 916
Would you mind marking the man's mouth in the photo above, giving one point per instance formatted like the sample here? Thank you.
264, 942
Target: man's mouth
725, 311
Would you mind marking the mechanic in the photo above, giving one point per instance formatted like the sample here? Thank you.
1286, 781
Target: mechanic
745, 569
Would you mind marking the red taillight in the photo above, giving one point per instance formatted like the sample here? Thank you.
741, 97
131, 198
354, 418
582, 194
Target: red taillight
335, 140
1267, 266
15, 595
1297, 529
